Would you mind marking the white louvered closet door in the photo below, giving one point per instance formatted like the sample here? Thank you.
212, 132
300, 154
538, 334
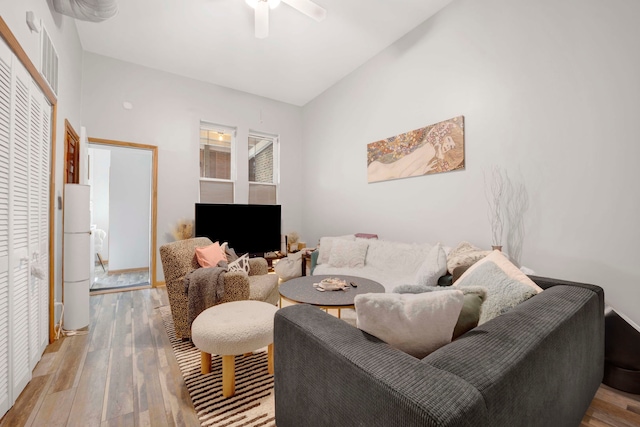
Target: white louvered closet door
25, 123
45, 159
5, 120
35, 133
19, 225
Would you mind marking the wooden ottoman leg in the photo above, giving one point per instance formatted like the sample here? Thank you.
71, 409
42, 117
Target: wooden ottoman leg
228, 376
270, 359
205, 362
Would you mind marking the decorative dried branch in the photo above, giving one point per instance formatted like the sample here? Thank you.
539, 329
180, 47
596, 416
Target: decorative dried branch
293, 237
494, 192
517, 204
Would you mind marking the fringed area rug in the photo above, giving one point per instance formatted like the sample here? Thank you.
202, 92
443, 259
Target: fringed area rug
253, 403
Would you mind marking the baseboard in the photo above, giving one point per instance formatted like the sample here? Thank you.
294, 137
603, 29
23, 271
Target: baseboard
127, 270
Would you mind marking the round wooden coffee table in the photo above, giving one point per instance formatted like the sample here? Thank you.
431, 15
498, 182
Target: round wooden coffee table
301, 291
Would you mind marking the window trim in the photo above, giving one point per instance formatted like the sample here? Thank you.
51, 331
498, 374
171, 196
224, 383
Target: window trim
276, 160
233, 131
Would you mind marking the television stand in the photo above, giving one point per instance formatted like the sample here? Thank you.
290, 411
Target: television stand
273, 256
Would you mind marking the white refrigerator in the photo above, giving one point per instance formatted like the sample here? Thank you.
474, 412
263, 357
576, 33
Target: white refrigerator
77, 256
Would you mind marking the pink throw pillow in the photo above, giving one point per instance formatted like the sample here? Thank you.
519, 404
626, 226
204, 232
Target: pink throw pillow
209, 256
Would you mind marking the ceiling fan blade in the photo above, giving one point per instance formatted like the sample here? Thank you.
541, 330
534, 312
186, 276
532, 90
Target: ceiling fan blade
262, 20
309, 8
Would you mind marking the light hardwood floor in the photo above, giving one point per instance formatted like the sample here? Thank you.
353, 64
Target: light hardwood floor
124, 373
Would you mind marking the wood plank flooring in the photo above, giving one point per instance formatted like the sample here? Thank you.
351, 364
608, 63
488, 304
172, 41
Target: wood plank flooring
124, 373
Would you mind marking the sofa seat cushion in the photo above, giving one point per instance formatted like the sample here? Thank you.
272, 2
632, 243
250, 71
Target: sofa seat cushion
262, 287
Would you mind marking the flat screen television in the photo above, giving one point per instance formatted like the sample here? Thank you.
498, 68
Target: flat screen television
252, 229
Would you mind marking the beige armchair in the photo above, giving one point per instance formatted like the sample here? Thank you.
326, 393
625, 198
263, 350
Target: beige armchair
179, 258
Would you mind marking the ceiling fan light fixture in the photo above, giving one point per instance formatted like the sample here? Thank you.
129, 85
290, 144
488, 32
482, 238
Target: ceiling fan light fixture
272, 3
262, 20
261, 9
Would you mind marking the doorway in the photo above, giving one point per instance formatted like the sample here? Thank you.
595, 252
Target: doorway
123, 179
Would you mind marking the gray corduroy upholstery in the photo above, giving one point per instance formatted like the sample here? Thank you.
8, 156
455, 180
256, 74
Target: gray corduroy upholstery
539, 364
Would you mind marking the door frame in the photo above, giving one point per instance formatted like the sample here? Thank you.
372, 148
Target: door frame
70, 135
154, 192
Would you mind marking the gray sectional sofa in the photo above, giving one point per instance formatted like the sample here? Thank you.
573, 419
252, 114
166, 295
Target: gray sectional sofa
540, 364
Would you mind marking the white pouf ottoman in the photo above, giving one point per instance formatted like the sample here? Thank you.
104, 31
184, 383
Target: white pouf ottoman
231, 329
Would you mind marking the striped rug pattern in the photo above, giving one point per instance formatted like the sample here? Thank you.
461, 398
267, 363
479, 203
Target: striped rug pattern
253, 403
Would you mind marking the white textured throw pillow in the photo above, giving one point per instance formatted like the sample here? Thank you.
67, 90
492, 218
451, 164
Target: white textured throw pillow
290, 267
326, 243
433, 267
417, 324
464, 254
506, 285
346, 253
499, 259
241, 264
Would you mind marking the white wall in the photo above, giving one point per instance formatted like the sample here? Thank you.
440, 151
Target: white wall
549, 90
63, 33
129, 208
167, 110
100, 160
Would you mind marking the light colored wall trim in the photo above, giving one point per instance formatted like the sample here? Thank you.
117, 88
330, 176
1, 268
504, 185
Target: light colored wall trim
127, 270
15, 47
154, 193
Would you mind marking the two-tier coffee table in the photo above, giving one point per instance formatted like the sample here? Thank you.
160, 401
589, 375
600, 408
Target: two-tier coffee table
301, 291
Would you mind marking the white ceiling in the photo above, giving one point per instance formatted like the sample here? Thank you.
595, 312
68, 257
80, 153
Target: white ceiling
213, 41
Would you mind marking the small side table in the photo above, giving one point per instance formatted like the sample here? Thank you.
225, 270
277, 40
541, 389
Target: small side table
270, 259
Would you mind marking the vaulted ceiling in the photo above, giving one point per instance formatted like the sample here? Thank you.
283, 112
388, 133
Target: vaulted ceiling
213, 41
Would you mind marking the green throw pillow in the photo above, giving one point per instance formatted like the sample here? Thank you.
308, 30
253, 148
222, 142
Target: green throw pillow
469, 317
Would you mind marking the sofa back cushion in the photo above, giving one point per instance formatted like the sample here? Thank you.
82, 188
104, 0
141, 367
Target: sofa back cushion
326, 243
346, 253
396, 256
433, 267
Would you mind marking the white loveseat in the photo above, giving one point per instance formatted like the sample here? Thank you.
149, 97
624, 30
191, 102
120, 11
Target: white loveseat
388, 263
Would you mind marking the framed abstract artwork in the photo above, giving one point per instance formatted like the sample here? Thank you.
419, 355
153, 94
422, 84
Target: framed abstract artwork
432, 149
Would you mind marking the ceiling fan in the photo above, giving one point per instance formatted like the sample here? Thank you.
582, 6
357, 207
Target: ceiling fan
262, 7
